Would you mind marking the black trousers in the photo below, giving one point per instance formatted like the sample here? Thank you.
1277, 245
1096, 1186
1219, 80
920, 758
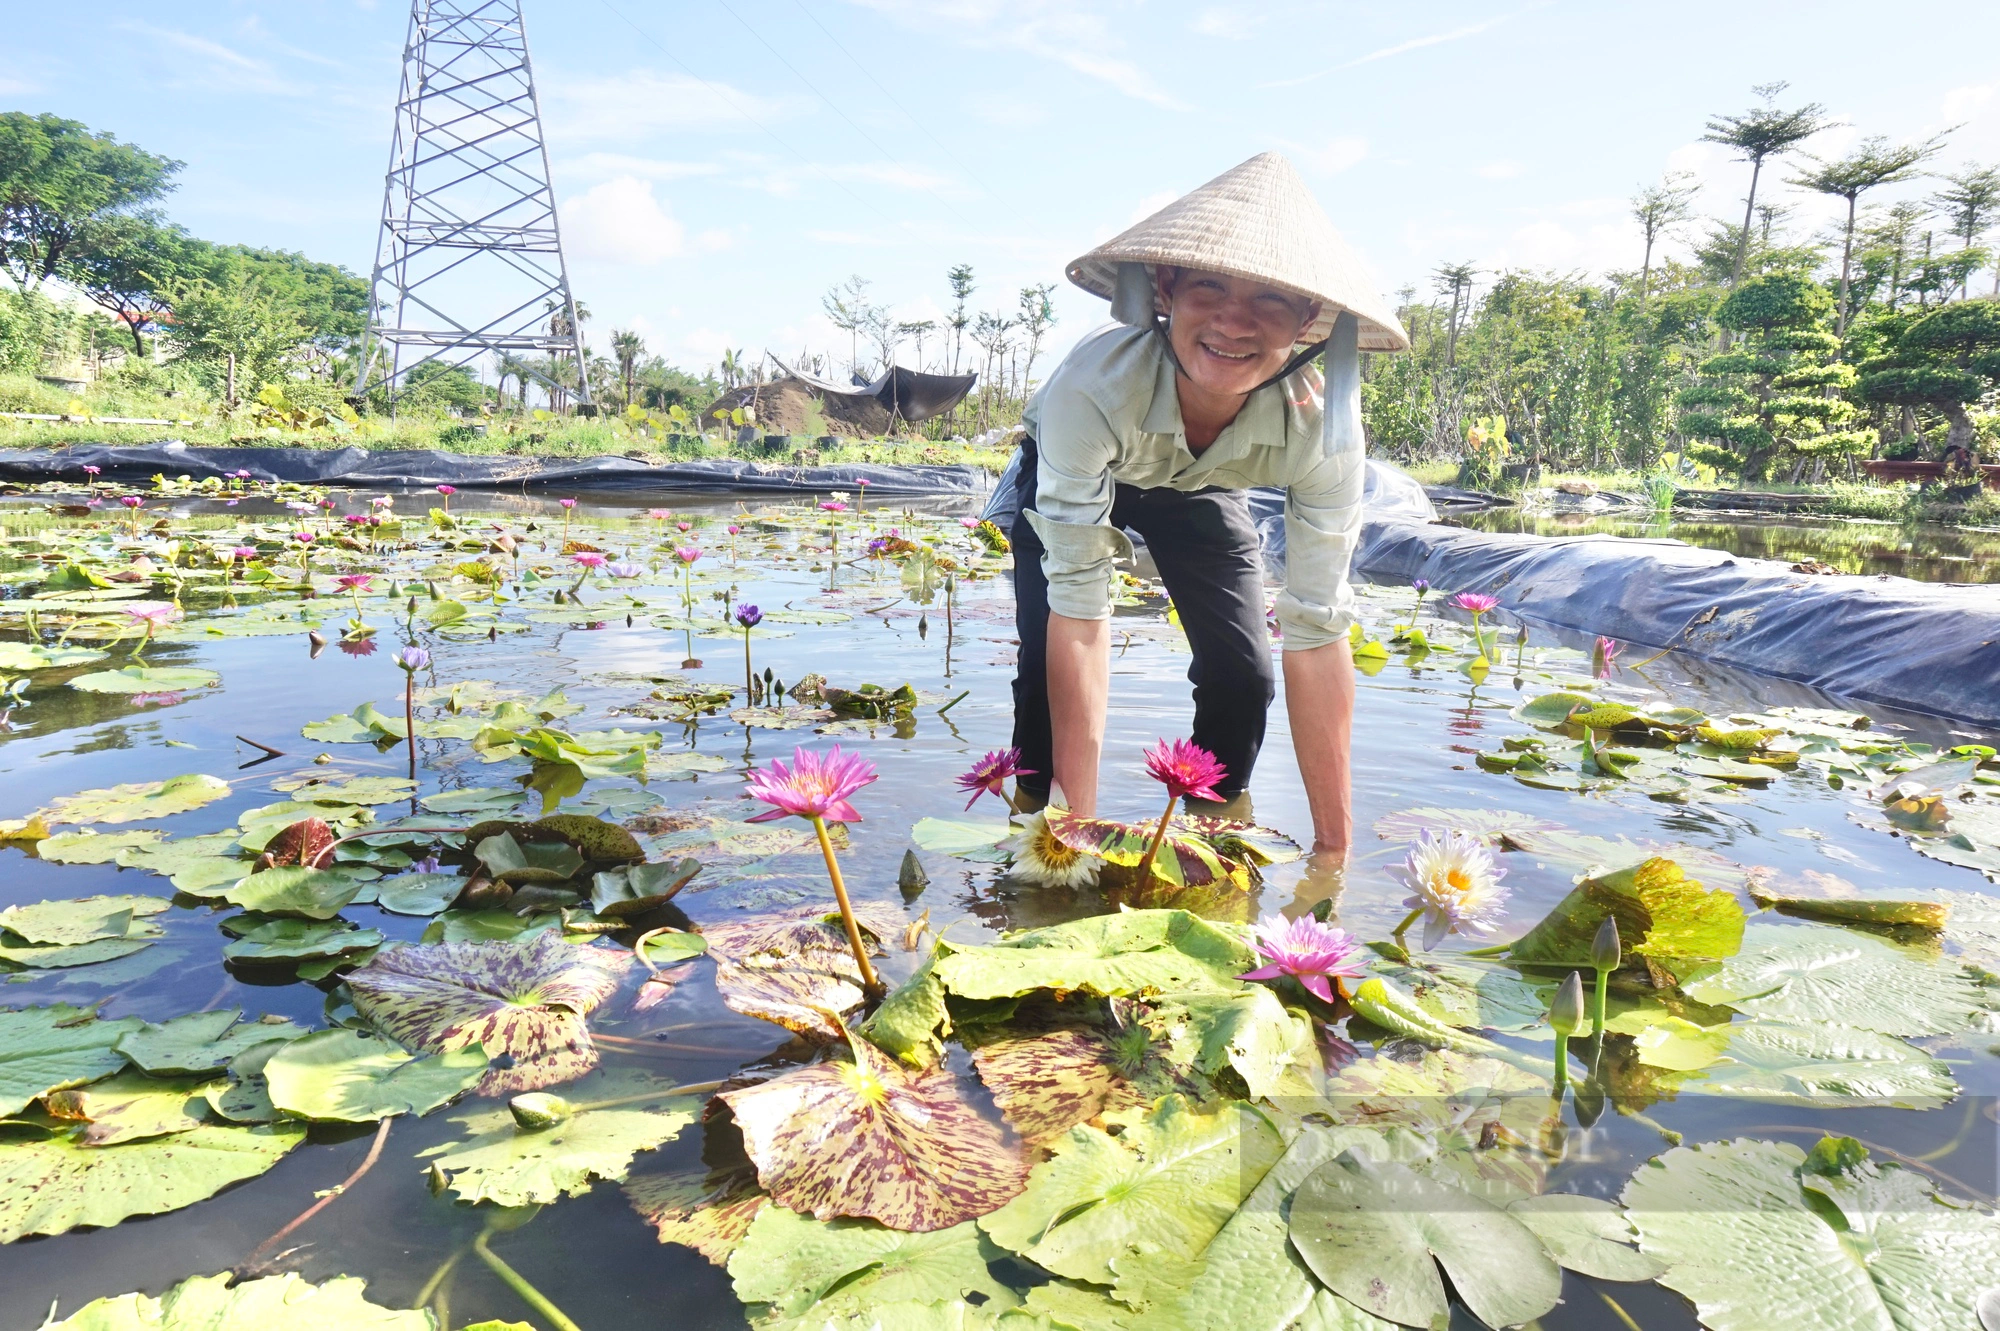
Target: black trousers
1208, 553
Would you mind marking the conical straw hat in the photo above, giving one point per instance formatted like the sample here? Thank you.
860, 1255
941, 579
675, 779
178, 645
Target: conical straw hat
1259, 221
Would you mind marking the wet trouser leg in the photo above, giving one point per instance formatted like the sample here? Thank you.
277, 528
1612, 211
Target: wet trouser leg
1207, 550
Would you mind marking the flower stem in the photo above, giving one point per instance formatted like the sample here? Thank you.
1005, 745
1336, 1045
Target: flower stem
1408, 920
410, 718
515, 1281
1597, 1005
749, 678
1562, 1062
869, 983
1159, 835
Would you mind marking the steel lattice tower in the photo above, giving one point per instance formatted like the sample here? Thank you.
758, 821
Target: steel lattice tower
470, 258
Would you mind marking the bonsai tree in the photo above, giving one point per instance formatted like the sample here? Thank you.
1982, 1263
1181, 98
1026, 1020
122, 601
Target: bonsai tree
1942, 361
1776, 392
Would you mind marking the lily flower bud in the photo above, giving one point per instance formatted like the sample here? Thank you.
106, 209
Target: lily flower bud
1566, 1012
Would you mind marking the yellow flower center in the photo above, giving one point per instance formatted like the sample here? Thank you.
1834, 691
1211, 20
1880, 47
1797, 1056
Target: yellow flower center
1053, 852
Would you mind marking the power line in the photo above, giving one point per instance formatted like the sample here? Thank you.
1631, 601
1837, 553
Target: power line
870, 76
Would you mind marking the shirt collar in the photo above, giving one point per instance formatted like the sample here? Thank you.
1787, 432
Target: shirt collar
1276, 416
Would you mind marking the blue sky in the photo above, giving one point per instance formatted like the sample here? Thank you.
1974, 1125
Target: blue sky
722, 163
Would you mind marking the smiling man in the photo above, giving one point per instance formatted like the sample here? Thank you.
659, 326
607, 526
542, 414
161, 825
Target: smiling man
1157, 424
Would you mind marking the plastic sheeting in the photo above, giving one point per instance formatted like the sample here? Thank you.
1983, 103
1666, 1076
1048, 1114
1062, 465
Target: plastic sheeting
425, 467
1923, 646
912, 394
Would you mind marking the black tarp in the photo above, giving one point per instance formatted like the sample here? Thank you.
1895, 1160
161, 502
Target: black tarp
424, 467
1924, 646
912, 394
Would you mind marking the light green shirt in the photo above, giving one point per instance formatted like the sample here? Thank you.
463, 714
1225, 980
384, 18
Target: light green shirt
1110, 414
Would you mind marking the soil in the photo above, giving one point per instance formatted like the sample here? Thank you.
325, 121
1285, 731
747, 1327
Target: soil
782, 407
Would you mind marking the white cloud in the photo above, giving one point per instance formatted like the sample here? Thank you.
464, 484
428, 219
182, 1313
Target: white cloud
645, 168
17, 88
629, 107
1966, 103
1149, 205
1334, 156
1228, 23
1009, 110
1063, 31
787, 180
620, 221
1414, 44
1504, 169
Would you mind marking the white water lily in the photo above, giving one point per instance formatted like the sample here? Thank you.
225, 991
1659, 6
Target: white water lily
1041, 859
1454, 884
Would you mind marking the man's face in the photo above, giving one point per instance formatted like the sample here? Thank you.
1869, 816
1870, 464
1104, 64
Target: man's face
1230, 333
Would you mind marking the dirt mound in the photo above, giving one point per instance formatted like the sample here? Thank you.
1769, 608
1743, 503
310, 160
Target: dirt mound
786, 405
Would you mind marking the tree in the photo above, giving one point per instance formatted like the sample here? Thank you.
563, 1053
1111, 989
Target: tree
960, 278
1971, 199
919, 330
1875, 163
1759, 133
1455, 278
627, 346
989, 332
57, 179
1036, 318
847, 309
123, 264
1658, 209
1944, 360
234, 320
882, 329
1768, 395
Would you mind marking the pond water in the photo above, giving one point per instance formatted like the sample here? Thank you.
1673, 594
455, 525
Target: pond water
1422, 725
1923, 551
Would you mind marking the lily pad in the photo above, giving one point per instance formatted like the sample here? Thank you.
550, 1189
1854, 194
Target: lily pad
485, 801
200, 1041
514, 863
1048, 1083
138, 800
1836, 1248
1133, 952
92, 847
130, 1107
78, 919
314, 894
1250, 1033
637, 888
604, 1121
709, 1210
146, 679
139, 934
49, 1048
274, 1303
54, 1185
1807, 975
1375, 1233
1167, 1185
1182, 860
975, 839
525, 1000
870, 1139
1489, 825
1670, 921
1464, 993
348, 1077
1819, 1063
418, 893
1480, 1118
289, 942
36, 656
1586, 1234
796, 1267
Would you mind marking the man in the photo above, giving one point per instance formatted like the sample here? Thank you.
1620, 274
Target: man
1158, 426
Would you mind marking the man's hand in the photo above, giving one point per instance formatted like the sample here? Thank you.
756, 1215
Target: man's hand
1079, 687
1319, 697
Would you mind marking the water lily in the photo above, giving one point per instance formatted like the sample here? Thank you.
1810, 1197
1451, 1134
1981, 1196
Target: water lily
92, 471
383, 501
1454, 884
1566, 1019
589, 560
1186, 769
413, 659
748, 617
355, 584
1310, 952
989, 776
1042, 860
659, 514
1602, 657
1476, 604
734, 530
970, 524
624, 570
816, 787
1605, 954
834, 506
151, 616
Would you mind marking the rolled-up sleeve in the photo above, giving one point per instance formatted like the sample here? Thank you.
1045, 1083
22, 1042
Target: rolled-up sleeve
1322, 525
1072, 503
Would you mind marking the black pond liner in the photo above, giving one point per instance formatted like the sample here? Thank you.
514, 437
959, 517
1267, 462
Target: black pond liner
1928, 647
495, 471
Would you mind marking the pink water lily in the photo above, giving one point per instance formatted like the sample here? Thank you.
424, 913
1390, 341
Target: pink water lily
1477, 603
355, 582
816, 786
152, 615
687, 554
1603, 656
92, 471
1185, 768
589, 559
989, 776
1310, 952
834, 506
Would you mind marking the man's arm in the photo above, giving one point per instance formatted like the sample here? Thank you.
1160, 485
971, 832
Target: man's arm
1319, 696
1079, 687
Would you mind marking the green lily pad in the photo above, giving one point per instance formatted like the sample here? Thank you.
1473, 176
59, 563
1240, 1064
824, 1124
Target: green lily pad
1182, 860
1669, 921
139, 934
35, 656
911, 1020
348, 1077
605, 1120
138, 800
1133, 952
709, 1210
975, 839
285, 942
1675, 1044
527, 1000
1249, 1032
1589, 854
636, 888
1587, 1235
1479, 1118
315, 894
1817, 1062
1835, 1248
78, 919
146, 679
794, 1267
274, 1303
871, 1139
511, 862
1167, 1186
1464, 993
245, 1097
355, 790
1808, 975
418, 893
1375, 1232
200, 1041
92, 847
130, 1106
55, 1185
482, 801
50, 1048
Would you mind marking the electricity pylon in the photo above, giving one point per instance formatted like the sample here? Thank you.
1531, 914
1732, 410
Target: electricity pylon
470, 258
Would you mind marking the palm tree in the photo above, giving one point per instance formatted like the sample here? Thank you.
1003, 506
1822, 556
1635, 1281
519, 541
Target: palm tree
1761, 132
1874, 163
1455, 278
1658, 209
627, 346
